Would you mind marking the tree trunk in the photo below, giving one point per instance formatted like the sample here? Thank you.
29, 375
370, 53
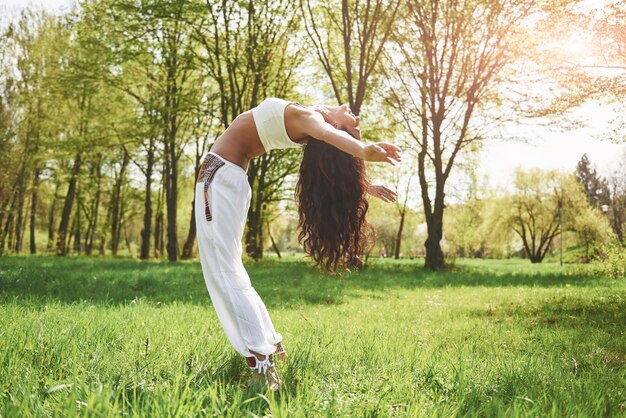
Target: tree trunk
250, 238
274, 246
2, 235
617, 207
254, 236
5, 237
171, 200
191, 236
102, 244
67, 208
9, 229
434, 253
19, 223
55, 199
536, 251
171, 160
127, 241
33, 213
122, 221
116, 201
158, 227
434, 222
159, 234
77, 225
93, 221
147, 216
399, 235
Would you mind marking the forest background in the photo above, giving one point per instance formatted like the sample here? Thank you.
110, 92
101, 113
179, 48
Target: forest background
106, 112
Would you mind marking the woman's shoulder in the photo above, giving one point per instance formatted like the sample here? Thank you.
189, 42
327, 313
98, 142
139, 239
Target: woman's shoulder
271, 106
297, 110
281, 102
289, 109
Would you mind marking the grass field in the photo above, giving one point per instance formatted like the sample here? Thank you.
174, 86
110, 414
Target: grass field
93, 337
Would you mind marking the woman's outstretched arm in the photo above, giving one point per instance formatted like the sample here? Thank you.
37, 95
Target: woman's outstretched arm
314, 125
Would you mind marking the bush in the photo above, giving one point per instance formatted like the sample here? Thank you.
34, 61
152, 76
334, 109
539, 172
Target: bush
611, 260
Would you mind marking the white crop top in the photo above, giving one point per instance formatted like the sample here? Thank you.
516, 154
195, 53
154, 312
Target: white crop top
269, 118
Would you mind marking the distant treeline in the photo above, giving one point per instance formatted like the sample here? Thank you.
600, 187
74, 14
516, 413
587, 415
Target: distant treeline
106, 112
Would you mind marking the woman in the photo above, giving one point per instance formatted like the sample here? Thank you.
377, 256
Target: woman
332, 210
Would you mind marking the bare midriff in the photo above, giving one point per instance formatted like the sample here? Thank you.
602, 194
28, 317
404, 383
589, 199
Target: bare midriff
240, 142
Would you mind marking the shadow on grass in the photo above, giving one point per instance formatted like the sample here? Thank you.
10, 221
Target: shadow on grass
607, 312
39, 279
579, 316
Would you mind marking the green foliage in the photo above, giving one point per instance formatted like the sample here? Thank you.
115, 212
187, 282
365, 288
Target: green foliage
595, 187
105, 105
385, 218
541, 203
444, 66
593, 73
123, 97
112, 337
611, 260
479, 228
591, 227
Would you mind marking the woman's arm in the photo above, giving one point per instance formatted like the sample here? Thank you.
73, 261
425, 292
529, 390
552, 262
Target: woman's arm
314, 125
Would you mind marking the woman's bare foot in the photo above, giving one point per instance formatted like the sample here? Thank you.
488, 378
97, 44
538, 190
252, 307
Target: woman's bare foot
263, 371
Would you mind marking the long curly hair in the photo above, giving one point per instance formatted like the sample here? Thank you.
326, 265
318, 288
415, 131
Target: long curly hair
332, 207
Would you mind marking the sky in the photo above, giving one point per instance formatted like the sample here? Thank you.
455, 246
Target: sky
535, 146
554, 147
54, 6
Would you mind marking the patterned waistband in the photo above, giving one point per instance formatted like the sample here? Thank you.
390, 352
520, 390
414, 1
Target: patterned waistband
226, 162
210, 165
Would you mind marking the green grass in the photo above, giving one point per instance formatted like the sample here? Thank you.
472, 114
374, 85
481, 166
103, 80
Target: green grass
102, 337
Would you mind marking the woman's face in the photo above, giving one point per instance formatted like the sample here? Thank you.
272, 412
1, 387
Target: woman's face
344, 119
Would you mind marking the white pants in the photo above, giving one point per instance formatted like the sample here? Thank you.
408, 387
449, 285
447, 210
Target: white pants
220, 222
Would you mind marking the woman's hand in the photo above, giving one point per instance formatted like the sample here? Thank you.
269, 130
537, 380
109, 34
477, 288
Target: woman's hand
383, 193
382, 152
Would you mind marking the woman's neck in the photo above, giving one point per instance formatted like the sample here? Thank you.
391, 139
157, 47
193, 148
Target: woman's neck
323, 110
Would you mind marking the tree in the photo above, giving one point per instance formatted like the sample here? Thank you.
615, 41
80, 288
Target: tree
617, 204
9, 146
464, 232
595, 187
200, 128
153, 49
541, 202
248, 50
335, 30
383, 218
30, 42
583, 50
447, 58
591, 227
401, 206
604, 193
85, 137
401, 183
134, 70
